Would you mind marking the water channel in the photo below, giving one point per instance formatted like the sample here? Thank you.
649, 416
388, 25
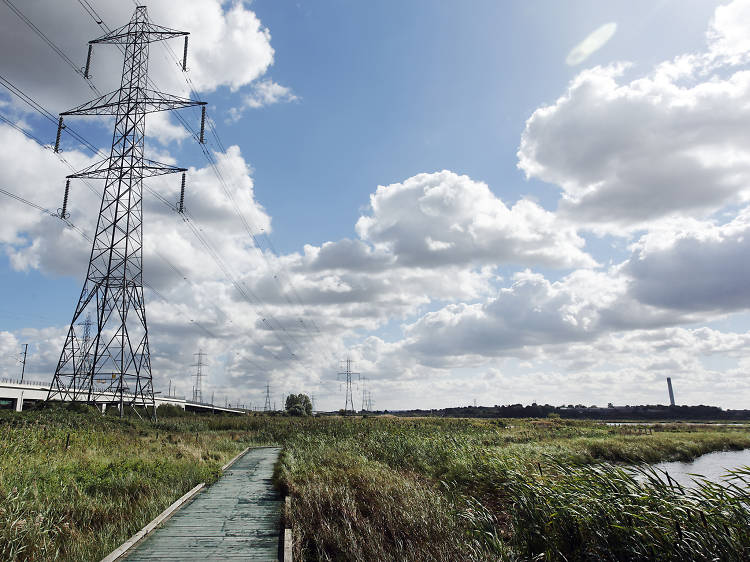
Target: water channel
712, 466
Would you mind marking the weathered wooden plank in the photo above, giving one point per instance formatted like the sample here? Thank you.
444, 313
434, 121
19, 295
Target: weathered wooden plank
163, 516
287, 545
235, 519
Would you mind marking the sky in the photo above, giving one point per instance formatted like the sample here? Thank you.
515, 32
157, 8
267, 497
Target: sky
500, 202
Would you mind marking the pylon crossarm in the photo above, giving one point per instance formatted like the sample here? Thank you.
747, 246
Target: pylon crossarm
152, 102
160, 101
99, 170
103, 105
123, 35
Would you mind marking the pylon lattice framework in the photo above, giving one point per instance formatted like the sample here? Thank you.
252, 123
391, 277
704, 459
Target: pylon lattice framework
267, 405
198, 388
115, 364
347, 374
363, 380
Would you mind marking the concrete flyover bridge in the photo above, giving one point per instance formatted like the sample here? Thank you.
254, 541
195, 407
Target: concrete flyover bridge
17, 395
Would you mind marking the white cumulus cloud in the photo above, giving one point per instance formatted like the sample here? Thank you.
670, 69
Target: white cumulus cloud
628, 151
445, 218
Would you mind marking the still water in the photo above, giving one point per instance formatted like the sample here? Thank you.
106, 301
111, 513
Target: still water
648, 423
712, 466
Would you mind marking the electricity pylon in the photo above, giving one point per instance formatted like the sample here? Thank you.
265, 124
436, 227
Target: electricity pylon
85, 360
347, 373
115, 362
267, 405
198, 388
363, 380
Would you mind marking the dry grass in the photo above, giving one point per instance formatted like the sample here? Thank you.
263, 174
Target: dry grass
370, 489
434, 489
80, 501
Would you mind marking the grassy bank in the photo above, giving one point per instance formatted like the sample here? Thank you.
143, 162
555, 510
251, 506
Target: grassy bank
601, 512
75, 486
371, 489
436, 489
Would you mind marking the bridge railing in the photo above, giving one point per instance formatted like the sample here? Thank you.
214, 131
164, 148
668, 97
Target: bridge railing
217, 406
128, 395
24, 382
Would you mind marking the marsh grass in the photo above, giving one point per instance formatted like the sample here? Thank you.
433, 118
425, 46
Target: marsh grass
433, 489
378, 488
603, 512
81, 501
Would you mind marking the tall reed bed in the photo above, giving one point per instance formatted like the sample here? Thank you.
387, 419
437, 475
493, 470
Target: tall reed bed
429, 489
603, 512
73, 485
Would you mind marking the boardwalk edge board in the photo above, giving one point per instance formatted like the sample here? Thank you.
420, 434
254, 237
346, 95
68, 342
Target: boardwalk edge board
163, 516
143, 533
287, 545
230, 463
286, 539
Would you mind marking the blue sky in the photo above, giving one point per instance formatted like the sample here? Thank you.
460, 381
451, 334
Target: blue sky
544, 231
391, 89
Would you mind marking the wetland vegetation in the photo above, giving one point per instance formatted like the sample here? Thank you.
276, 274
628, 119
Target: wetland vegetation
75, 484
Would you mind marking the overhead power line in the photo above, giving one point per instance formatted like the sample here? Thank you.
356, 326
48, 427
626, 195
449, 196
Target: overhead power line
27, 202
20, 129
267, 318
33, 104
89, 239
272, 323
44, 37
199, 234
277, 274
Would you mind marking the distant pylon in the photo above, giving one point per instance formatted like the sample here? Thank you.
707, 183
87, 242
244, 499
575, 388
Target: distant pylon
347, 373
85, 361
115, 363
267, 405
23, 361
198, 388
363, 380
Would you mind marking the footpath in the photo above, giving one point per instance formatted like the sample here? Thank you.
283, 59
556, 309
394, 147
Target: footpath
237, 518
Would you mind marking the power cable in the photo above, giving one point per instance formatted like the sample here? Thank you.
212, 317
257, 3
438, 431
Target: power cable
248, 226
197, 231
196, 136
34, 105
47, 40
88, 238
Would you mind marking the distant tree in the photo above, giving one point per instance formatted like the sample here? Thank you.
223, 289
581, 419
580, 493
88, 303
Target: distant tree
164, 411
298, 405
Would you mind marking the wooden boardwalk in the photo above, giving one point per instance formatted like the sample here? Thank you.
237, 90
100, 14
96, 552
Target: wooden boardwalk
235, 519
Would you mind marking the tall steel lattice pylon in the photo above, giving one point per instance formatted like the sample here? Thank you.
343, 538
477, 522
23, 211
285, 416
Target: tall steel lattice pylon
113, 365
198, 388
267, 405
363, 380
347, 374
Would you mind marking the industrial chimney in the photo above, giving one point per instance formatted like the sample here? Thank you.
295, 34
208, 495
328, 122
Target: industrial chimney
671, 392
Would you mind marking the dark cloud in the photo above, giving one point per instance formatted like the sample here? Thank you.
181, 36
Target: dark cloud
701, 271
